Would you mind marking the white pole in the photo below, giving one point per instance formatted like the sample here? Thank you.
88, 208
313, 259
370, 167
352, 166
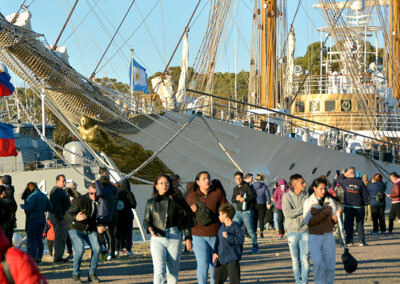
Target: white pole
236, 106
131, 86
43, 114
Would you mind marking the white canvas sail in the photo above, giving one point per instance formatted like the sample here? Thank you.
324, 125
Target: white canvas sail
23, 20
290, 63
164, 87
181, 93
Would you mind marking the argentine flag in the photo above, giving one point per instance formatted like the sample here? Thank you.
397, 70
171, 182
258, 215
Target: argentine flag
138, 77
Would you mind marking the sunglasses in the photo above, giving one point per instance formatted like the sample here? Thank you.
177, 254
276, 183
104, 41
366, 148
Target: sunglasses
92, 193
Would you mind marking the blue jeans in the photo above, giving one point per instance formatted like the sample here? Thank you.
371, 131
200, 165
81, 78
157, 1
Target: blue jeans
247, 217
298, 246
203, 248
166, 255
35, 234
78, 239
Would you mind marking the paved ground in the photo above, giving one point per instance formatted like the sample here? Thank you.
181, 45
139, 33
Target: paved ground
378, 263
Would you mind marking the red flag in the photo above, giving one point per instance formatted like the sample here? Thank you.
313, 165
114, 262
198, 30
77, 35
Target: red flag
7, 141
6, 88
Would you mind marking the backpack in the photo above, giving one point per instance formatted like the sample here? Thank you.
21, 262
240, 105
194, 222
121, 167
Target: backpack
380, 196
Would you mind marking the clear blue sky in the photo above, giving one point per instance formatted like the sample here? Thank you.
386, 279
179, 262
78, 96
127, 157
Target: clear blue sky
165, 24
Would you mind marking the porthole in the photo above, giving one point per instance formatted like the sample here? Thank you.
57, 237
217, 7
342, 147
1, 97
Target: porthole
291, 167
328, 173
314, 170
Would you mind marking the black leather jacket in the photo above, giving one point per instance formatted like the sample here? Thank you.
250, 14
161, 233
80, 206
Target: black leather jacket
156, 215
86, 205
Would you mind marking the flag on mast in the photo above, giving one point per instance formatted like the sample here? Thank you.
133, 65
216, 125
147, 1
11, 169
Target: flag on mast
137, 77
7, 141
6, 87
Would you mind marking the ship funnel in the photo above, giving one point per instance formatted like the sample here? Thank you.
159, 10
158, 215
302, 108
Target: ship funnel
357, 5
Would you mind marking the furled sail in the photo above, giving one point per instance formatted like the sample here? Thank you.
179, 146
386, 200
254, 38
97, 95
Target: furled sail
164, 87
290, 64
181, 93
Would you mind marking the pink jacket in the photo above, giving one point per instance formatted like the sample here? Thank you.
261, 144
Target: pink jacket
278, 195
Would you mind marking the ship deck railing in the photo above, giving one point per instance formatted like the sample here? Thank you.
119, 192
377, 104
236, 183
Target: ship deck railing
40, 166
303, 129
339, 84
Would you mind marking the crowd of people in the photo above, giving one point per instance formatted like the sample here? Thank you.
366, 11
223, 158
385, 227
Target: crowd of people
203, 218
102, 218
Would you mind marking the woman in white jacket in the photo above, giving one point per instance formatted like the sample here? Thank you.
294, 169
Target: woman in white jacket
320, 214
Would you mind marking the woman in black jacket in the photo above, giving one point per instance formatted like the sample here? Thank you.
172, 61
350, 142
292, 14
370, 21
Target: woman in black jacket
167, 215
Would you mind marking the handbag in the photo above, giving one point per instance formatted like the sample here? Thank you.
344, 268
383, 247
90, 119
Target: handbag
203, 214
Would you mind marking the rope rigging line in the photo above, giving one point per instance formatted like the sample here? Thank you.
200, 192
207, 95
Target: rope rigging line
126, 41
81, 22
378, 167
185, 30
65, 25
341, 35
150, 35
52, 145
291, 26
293, 116
220, 144
45, 139
14, 19
162, 148
116, 32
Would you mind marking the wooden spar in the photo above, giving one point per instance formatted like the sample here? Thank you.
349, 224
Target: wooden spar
271, 52
65, 25
263, 90
394, 48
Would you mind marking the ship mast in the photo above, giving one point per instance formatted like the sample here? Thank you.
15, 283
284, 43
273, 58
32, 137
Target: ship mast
268, 53
394, 47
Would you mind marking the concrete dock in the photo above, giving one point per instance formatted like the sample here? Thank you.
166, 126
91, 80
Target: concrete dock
379, 262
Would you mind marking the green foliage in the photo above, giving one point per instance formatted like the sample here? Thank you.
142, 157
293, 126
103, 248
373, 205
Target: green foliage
313, 51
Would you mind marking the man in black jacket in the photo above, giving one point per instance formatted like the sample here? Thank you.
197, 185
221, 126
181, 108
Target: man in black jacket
60, 200
82, 224
356, 197
126, 202
243, 196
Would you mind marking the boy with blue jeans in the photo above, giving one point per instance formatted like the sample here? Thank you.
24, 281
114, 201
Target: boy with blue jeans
228, 247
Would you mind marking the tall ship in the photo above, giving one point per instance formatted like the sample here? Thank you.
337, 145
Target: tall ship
337, 111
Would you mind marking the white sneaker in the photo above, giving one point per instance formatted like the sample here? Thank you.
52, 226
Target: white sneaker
129, 253
108, 257
118, 253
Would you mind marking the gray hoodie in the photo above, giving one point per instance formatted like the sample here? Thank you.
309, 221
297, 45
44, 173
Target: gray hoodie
292, 207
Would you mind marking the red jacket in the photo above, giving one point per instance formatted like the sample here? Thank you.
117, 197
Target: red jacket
22, 268
49, 232
395, 195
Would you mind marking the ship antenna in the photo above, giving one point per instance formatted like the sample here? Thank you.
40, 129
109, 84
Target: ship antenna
116, 32
65, 25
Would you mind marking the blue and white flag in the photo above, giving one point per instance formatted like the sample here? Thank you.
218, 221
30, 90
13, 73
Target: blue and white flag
138, 77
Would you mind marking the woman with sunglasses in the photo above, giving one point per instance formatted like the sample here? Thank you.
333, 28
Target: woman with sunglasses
167, 216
